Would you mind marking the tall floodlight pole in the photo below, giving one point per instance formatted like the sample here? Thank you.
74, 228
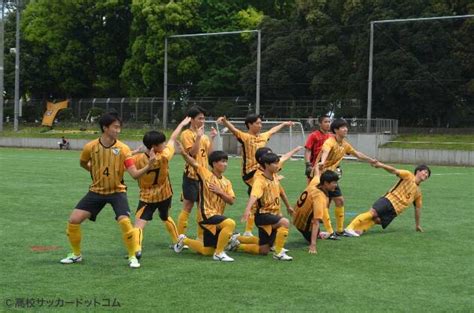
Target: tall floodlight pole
257, 89
371, 52
165, 79
165, 87
2, 48
17, 68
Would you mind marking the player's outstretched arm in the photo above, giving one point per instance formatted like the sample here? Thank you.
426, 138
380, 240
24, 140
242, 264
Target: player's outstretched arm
280, 126
364, 157
388, 168
178, 129
222, 120
417, 219
195, 148
289, 154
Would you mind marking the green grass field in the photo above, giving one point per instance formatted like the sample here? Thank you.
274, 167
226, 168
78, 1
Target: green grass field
396, 270
433, 141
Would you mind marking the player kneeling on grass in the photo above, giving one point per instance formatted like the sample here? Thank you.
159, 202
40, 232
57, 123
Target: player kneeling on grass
215, 192
394, 202
272, 227
155, 185
312, 204
106, 158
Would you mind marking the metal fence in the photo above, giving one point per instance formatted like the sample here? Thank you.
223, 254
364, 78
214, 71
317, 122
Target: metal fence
149, 110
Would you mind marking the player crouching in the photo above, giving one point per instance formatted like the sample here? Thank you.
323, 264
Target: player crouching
215, 191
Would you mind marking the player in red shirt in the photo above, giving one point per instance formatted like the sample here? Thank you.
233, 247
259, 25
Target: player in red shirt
315, 142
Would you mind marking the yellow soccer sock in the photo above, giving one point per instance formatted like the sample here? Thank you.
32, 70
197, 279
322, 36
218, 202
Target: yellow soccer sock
248, 240
281, 235
130, 235
172, 229
138, 239
367, 225
339, 219
227, 228
250, 223
327, 221
183, 222
249, 248
358, 222
198, 246
74, 235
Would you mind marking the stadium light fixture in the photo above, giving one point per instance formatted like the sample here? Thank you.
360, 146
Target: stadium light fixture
371, 51
165, 78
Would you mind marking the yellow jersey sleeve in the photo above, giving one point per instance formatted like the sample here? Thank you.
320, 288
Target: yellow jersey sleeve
204, 172
314, 182
229, 190
349, 149
266, 135
86, 152
403, 174
418, 200
258, 188
241, 135
168, 152
328, 144
187, 140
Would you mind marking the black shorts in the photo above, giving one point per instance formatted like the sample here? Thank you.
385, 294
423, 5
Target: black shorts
146, 210
209, 239
190, 189
246, 178
93, 202
306, 234
262, 220
336, 193
385, 211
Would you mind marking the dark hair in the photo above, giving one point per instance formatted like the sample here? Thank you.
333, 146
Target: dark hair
217, 156
268, 158
322, 117
252, 118
423, 167
153, 137
338, 123
328, 176
195, 111
107, 119
261, 152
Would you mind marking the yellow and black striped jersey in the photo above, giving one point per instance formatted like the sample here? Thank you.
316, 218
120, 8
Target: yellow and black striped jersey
155, 185
406, 191
210, 203
336, 152
259, 171
188, 138
310, 206
250, 143
267, 192
107, 165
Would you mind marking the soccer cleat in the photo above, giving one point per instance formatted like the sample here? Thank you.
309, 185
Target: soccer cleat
282, 256
340, 233
334, 236
272, 249
178, 247
234, 243
223, 257
133, 262
350, 233
248, 234
71, 258
138, 254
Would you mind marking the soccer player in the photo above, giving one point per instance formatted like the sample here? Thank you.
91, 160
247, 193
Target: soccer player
251, 141
272, 227
198, 146
315, 142
106, 158
155, 186
394, 202
312, 203
332, 153
215, 192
